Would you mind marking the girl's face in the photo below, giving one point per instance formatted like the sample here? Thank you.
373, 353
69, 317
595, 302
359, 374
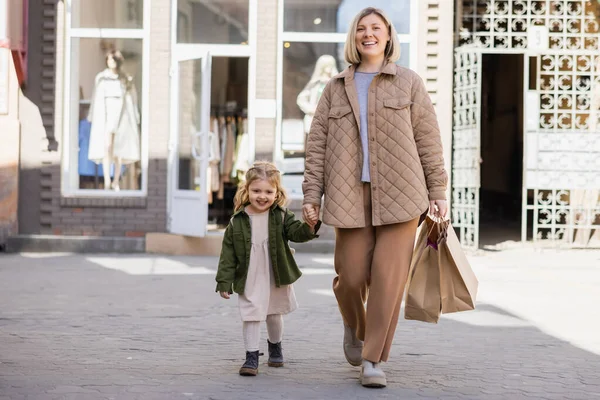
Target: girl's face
262, 195
371, 37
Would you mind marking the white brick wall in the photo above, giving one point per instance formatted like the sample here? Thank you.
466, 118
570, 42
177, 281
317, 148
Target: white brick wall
266, 74
160, 56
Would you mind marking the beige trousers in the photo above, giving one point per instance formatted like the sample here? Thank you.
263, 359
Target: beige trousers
372, 263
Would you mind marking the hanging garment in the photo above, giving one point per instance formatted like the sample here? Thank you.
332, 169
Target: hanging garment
114, 110
242, 154
214, 157
229, 152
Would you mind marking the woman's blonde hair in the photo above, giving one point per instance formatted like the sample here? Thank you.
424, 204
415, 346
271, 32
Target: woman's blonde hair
392, 48
261, 170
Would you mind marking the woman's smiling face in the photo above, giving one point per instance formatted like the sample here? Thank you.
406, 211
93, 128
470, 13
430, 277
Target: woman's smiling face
371, 36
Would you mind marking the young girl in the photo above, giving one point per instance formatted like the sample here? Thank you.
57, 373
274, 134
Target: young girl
256, 261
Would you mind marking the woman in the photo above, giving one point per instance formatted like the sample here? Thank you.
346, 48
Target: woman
375, 152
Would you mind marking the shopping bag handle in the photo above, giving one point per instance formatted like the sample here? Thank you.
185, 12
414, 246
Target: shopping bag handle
442, 229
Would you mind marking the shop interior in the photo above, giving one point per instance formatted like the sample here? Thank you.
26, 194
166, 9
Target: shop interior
229, 141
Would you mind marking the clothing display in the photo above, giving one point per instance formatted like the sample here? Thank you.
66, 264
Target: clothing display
228, 155
242, 154
325, 69
114, 110
85, 166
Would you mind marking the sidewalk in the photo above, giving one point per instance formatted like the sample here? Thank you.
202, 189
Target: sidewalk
151, 327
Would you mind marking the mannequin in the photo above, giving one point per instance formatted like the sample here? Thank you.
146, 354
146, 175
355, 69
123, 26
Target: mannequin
115, 135
307, 100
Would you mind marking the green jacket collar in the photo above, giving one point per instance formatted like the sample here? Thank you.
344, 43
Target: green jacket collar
243, 209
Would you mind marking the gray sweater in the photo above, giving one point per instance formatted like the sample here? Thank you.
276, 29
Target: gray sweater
363, 81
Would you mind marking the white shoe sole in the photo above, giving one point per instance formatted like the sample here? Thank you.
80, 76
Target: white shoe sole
372, 381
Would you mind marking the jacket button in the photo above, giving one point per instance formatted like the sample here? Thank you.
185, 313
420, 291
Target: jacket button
372, 139
373, 163
374, 188
372, 114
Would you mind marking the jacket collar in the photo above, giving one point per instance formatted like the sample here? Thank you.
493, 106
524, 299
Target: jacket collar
243, 209
348, 73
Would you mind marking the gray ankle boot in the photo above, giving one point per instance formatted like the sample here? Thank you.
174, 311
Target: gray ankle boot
353, 347
371, 375
250, 367
275, 354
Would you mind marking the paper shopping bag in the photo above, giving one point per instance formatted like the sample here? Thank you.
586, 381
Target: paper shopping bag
423, 301
458, 281
440, 278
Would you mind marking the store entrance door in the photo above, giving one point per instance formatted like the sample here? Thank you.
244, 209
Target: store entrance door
188, 144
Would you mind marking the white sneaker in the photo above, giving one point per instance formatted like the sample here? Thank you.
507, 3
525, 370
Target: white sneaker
371, 375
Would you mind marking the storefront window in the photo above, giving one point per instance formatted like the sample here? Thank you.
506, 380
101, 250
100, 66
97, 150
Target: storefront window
106, 78
107, 14
103, 146
335, 16
212, 21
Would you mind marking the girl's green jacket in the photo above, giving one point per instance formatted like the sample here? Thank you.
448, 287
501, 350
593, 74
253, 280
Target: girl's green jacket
235, 253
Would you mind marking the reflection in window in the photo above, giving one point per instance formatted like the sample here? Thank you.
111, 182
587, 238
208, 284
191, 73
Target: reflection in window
212, 21
106, 80
336, 15
107, 14
307, 67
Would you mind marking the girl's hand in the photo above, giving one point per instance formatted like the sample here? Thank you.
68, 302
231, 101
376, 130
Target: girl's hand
310, 214
438, 208
313, 218
225, 295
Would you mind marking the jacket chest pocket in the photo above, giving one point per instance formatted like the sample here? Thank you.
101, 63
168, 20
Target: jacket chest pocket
341, 122
397, 112
339, 114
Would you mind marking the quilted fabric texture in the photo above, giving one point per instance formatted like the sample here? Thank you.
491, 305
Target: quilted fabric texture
405, 150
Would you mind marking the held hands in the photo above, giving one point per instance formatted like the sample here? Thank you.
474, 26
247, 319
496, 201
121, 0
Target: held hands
310, 214
438, 208
225, 295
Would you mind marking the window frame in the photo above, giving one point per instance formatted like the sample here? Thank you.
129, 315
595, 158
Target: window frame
67, 162
326, 37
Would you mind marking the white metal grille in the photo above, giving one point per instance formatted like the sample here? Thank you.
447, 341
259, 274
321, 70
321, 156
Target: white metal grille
466, 145
572, 24
562, 145
562, 171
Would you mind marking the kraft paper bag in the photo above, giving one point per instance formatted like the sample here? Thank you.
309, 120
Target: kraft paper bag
458, 282
440, 279
423, 301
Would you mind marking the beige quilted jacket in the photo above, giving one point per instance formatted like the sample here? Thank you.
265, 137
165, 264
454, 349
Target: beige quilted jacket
405, 150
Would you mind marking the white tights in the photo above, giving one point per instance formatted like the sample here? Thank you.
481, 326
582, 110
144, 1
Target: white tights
251, 331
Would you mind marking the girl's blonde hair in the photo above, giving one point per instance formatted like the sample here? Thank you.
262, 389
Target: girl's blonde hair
261, 170
392, 48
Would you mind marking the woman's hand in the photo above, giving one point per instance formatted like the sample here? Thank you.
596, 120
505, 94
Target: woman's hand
438, 208
225, 295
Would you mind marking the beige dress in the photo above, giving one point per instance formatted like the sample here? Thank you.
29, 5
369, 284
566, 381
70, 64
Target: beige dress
261, 297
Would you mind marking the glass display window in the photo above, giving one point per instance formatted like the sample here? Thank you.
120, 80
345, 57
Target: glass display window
103, 129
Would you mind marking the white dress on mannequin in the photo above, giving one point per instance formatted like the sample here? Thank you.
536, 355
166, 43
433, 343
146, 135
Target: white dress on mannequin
114, 110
